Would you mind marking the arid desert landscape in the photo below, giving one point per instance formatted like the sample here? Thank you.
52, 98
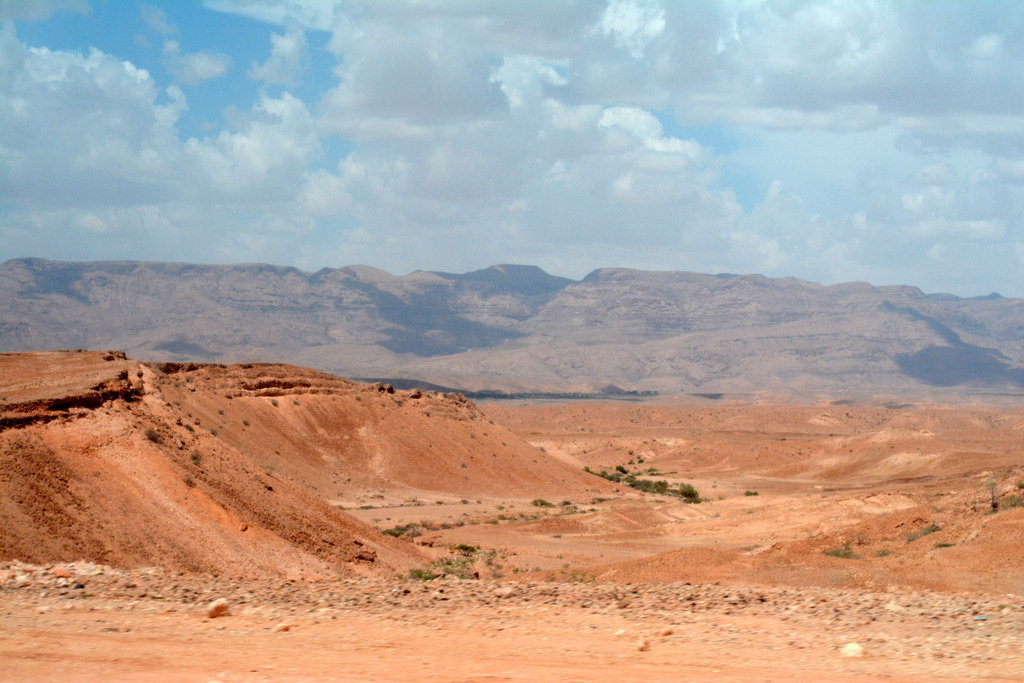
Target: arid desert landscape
182, 521
496, 341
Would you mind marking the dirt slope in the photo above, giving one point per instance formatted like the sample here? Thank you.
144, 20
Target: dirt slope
839, 493
235, 468
348, 441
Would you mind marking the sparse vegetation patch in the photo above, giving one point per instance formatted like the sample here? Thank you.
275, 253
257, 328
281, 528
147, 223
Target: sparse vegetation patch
621, 475
922, 532
845, 553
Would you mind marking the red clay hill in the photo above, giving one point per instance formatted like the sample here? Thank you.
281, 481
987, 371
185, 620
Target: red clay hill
231, 469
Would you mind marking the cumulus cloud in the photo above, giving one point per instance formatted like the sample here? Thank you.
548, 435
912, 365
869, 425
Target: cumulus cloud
112, 172
288, 55
194, 67
830, 140
632, 24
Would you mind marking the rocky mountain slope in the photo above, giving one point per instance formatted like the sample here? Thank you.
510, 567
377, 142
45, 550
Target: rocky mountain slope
519, 328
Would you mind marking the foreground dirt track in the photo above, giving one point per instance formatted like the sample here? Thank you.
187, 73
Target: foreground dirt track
152, 625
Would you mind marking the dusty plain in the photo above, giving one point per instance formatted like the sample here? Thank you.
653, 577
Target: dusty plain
839, 540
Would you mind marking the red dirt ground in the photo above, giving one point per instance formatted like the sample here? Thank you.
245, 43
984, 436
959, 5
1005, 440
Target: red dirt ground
269, 485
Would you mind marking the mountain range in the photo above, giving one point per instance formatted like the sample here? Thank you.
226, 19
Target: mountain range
519, 329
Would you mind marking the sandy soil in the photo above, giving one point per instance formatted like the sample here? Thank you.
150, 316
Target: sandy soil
834, 541
103, 624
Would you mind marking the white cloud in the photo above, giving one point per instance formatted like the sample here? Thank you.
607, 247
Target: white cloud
288, 55
156, 19
524, 77
263, 160
833, 140
966, 229
311, 14
632, 24
194, 67
33, 10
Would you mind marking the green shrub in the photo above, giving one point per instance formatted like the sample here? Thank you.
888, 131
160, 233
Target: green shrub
1012, 502
541, 503
922, 532
152, 435
844, 553
688, 493
750, 493
422, 574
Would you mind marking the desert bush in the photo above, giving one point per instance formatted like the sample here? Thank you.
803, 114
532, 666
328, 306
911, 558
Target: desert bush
750, 493
845, 553
152, 435
422, 574
541, 503
922, 532
411, 530
1012, 502
688, 493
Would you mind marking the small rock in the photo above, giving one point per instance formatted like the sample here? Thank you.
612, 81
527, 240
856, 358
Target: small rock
282, 627
643, 645
666, 632
852, 650
218, 608
62, 573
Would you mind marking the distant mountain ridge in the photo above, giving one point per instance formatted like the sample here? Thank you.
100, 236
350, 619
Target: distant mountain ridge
518, 328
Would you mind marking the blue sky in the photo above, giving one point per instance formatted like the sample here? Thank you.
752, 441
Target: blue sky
831, 141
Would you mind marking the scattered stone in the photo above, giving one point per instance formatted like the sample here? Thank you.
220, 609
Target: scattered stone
643, 645
218, 608
852, 650
282, 627
666, 632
